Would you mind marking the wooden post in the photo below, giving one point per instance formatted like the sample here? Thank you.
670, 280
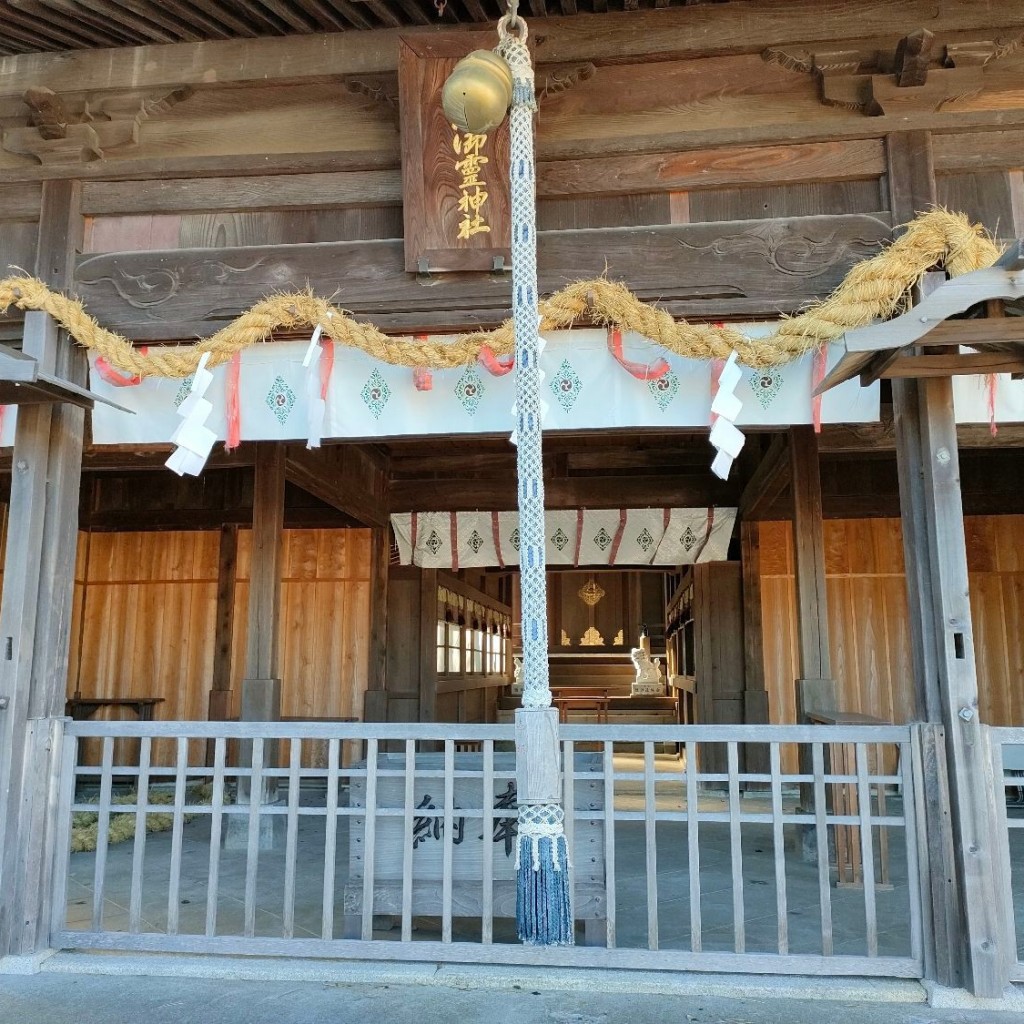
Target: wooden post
375, 701
970, 933
261, 687
264, 629
38, 589
428, 645
755, 696
816, 690
219, 707
220, 683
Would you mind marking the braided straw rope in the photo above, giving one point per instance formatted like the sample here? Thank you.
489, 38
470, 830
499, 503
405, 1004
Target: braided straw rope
874, 289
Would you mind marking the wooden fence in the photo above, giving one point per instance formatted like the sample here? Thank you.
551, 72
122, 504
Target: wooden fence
408, 853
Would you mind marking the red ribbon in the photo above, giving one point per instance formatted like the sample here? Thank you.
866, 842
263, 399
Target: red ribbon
3, 410
642, 371
614, 553
326, 366
422, 377
717, 366
234, 438
495, 366
114, 377
496, 530
817, 376
991, 382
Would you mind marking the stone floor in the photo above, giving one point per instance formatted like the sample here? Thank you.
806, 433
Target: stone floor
61, 998
673, 874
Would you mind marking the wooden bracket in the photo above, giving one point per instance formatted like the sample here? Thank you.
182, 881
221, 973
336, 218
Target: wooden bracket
917, 76
23, 383
72, 129
882, 350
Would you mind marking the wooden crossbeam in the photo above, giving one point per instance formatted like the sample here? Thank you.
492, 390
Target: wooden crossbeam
952, 365
769, 480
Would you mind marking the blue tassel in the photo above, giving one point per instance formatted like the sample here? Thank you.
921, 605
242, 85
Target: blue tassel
543, 899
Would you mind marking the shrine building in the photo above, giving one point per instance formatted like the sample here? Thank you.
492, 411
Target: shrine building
265, 437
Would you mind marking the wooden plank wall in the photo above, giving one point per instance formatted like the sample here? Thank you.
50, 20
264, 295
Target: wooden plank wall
145, 608
325, 622
868, 616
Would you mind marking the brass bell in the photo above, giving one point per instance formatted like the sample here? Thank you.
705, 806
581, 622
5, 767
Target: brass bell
478, 92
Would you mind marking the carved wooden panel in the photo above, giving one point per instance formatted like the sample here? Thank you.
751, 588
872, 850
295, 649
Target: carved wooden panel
17, 249
456, 191
747, 267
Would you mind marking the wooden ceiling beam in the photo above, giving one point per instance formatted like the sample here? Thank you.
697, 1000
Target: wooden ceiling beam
214, 18
183, 29
210, 290
768, 481
461, 495
680, 32
350, 478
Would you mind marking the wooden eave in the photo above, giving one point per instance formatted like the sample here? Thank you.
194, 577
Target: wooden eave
33, 27
947, 319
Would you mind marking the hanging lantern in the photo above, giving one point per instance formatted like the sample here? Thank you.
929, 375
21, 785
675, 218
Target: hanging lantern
591, 592
478, 92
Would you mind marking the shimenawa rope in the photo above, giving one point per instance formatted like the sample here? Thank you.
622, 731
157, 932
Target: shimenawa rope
874, 289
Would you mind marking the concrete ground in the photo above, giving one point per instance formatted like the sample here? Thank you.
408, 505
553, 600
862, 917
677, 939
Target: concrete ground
425, 995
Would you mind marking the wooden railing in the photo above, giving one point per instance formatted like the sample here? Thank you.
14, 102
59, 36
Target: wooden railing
1007, 746
409, 852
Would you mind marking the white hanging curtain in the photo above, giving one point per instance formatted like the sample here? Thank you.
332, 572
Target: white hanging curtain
633, 536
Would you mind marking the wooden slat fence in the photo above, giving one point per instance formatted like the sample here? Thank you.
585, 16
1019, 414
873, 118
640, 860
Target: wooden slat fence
409, 852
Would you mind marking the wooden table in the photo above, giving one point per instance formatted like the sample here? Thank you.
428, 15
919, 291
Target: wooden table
81, 708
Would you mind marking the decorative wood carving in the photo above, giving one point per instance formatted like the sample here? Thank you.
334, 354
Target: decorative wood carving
75, 129
917, 76
381, 91
555, 80
456, 190
730, 266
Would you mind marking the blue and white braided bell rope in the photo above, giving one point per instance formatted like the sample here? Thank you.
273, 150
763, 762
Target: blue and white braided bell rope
544, 891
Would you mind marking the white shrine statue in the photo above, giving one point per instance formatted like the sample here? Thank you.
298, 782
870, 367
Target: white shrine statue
517, 677
649, 681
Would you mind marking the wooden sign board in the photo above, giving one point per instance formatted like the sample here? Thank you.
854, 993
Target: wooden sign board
426, 837
455, 184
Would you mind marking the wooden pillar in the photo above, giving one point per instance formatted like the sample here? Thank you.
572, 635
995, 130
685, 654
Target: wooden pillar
261, 688
755, 696
971, 941
219, 703
375, 701
411, 651
428, 645
38, 590
224, 627
816, 690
